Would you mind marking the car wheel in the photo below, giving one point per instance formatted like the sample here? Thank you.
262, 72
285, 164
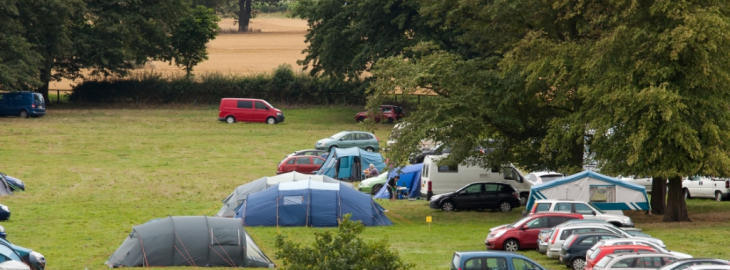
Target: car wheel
375, 189
447, 206
230, 120
718, 196
578, 263
369, 149
270, 121
686, 194
511, 245
23, 114
332, 147
360, 119
505, 207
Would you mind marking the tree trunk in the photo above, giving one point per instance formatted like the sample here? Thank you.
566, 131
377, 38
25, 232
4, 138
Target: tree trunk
45, 76
658, 195
244, 15
676, 206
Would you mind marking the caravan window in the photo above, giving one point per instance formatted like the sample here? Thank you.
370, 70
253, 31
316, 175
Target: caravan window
449, 168
425, 171
293, 200
605, 193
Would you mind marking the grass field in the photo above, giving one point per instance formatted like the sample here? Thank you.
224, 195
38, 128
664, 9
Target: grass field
91, 174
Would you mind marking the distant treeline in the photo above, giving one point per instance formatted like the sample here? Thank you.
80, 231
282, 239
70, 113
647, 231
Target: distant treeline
283, 86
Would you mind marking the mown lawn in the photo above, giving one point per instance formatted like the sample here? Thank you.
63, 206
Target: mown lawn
91, 174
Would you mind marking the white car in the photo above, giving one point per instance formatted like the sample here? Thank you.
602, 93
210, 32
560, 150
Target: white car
634, 261
645, 182
583, 208
684, 264
561, 232
706, 187
543, 177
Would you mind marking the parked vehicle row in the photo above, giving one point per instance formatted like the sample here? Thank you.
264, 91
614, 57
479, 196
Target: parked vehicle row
22, 104
390, 113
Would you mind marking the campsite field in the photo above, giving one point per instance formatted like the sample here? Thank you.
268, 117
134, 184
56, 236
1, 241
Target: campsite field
93, 173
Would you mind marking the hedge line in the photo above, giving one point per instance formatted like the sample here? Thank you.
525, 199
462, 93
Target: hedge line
284, 86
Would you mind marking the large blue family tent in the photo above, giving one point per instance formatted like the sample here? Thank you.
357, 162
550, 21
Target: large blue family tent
604, 192
309, 203
409, 177
348, 163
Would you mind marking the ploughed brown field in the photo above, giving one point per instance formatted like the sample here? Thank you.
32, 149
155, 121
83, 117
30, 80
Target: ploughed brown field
275, 40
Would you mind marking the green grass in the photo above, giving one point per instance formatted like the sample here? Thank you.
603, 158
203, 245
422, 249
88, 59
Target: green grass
92, 174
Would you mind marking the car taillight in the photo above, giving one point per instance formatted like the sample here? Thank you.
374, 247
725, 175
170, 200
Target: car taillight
555, 235
32, 105
727, 184
429, 187
534, 208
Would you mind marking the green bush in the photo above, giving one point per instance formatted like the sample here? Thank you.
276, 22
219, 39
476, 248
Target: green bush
283, 86
344, 250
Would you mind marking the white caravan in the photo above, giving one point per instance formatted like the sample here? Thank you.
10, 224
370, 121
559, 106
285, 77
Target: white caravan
437, 179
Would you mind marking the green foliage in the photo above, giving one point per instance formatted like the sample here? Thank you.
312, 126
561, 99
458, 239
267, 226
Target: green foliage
190, 36
18, 60
283, 86
346, 37
344, 250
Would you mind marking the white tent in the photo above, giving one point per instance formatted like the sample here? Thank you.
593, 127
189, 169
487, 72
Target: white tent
604, 192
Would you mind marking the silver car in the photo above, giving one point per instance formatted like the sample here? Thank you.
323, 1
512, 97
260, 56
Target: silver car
593, 251
344, 139
565, 230
634, 261
687, 263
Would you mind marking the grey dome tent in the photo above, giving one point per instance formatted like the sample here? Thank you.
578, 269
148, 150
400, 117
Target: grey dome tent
189, 241
238, 196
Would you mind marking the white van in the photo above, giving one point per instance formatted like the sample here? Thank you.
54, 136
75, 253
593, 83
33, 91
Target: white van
437, 179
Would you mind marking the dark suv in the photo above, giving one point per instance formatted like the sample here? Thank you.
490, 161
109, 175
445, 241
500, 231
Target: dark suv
23, 104
390, 113
478, 196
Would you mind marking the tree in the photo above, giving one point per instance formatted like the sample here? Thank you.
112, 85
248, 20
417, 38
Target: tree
106, 37
18, 60
344, 250
190, 36
346, 38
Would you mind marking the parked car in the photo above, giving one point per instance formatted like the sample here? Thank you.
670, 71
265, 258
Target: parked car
362, 139
373, 184
573, 252
634, 261
560, 233
34, 260
523, 233
310, 152
23, 104
437, 149
233, 110
543, 177
482, 195
645, 182
544, 236
302, 164
441, 178
583, 208
390, 113
706, 187
687, 263
593, 255
709, 267
497, 260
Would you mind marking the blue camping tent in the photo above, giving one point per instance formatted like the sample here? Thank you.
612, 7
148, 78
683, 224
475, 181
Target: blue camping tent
410, 177
348, 163
604, 192
309, 203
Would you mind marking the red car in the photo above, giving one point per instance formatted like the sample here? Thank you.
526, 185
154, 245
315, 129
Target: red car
391, 113
302, 164
233, 110
596, 255
523, 233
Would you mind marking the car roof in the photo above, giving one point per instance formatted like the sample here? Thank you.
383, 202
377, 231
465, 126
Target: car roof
625, 247
559, 214
472, 254
556, 201
583, 225
637, 255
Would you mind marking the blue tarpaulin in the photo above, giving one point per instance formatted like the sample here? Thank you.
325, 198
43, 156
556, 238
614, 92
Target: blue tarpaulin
410, 177
348, 163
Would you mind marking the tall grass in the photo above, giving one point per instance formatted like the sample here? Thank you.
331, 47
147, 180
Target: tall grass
91, 174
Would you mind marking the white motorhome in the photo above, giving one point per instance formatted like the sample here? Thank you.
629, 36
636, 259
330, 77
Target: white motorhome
437, 179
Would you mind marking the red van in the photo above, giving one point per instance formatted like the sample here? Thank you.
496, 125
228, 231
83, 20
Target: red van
232, 110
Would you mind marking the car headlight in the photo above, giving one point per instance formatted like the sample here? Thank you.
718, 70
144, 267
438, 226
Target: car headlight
496, 234
5, 208
279, 114
37, 261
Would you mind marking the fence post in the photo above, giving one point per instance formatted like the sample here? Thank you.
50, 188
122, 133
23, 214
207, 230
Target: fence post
58, 96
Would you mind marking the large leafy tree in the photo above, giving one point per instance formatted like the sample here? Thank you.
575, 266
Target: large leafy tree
640, 82
191, 35
102, 36
18, 59
346, 37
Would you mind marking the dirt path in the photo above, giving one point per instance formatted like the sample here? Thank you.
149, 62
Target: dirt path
273, 42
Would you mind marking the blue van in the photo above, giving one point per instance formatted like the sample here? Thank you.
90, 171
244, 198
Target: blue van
23, 104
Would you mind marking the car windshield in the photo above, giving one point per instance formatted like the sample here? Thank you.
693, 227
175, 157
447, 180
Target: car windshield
550, 177
520, 222
267, 103
10, 253
339, 135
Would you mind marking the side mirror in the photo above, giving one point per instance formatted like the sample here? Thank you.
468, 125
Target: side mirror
593, 212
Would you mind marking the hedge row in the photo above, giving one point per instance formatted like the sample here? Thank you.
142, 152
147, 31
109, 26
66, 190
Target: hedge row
284, 86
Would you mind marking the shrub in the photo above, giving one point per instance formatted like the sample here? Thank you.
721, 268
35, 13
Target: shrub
344, 250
